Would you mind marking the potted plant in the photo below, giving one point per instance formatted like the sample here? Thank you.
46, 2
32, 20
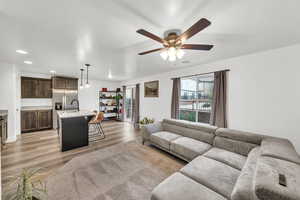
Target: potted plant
146, 121
27, 186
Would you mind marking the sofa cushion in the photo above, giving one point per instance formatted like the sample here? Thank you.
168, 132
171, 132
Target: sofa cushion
266, 180
280, 148
180, 187
213, 174
190, 132
194, 125
188, 147
235, 146
229, 158
244, 189
163, 138
242, 136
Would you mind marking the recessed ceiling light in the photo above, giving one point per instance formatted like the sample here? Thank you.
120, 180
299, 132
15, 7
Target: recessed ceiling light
20, 51
28, 62
52, 71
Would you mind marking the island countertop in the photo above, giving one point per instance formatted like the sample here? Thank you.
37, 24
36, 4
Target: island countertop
71, 114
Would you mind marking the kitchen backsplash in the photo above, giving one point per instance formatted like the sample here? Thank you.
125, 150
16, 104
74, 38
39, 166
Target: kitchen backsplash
36, 102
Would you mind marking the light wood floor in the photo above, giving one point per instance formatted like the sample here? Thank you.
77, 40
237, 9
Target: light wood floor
41, 149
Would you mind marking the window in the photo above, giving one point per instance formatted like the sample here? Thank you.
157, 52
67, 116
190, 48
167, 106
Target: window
196, 98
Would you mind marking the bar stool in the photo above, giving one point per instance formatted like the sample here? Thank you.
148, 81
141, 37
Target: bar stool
96, 124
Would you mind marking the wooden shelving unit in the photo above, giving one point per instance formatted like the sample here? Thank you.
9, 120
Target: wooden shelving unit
111, 103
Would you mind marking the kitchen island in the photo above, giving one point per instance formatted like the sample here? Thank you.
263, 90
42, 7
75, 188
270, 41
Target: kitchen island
73, 128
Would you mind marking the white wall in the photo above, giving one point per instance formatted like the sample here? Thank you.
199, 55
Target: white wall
263, 92
89, 97
8, 99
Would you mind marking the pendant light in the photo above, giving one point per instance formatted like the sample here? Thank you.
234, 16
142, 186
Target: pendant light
81, 78
87, 85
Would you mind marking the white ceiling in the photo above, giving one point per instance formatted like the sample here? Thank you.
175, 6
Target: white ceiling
62, 35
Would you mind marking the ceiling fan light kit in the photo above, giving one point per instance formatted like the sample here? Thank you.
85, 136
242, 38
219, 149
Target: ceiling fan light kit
172, 54
173, 41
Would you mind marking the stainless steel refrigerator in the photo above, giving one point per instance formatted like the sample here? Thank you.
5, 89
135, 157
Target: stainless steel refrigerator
62, 100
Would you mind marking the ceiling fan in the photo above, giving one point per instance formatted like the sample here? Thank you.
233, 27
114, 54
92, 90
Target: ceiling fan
173, 43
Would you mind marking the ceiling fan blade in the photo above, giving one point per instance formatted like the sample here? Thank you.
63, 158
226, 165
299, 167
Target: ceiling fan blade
152, 36
150, 51
205, 47
196, 28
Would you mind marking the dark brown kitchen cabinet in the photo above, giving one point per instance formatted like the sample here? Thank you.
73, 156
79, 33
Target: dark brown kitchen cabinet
34, 120
59, 83
29, 121
44, 88
3, 130
65, 83
29, 87
45, 119
72, 84
36, 88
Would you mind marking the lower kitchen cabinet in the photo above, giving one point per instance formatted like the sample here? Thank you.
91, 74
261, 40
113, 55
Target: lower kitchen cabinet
29, 121
45, 119
35, 120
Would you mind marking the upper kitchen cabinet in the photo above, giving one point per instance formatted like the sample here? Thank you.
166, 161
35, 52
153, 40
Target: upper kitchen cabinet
45, 88
65, 83
28, 87
36, 88
59, 83
72, 84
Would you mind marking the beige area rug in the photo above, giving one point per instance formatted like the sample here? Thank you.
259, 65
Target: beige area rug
127, 171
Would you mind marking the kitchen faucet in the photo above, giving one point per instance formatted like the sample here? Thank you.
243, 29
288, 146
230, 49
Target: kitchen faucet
77, 103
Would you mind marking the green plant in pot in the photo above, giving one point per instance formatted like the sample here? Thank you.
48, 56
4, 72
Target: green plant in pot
27, 186
146, 121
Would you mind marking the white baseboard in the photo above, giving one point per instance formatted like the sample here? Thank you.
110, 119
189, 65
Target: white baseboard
11, 139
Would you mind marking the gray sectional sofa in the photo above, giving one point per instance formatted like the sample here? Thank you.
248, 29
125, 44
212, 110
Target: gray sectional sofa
224, 163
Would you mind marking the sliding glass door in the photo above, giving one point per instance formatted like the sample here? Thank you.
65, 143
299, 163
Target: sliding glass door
129, 100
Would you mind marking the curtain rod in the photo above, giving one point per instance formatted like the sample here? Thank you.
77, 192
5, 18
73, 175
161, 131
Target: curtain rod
226, 70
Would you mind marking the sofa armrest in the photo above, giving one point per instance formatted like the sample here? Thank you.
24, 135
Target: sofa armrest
280, 148
147, 130
267, 182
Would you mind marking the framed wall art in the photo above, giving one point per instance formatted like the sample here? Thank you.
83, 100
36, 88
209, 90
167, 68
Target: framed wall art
151, 89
